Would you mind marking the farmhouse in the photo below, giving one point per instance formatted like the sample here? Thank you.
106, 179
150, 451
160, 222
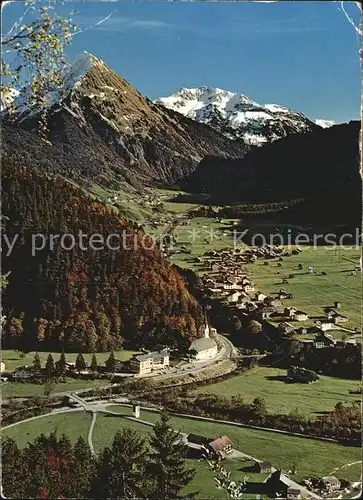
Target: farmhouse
331, 483
262, 467
234, 296
289, 311
220, 447
153, 361
260, 296
286, 327
298, 374
339, 318
283, 294
265, 312
281, 486
300, 316
324, 325
21, 373
323, 340
271, 301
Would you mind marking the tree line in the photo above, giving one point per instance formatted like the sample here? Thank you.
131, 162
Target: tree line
343, 423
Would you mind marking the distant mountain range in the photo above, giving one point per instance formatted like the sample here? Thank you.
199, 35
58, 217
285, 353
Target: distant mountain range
104, 132
239, 117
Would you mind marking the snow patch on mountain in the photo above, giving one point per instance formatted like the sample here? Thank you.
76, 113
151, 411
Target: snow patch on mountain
324, 123
237, 115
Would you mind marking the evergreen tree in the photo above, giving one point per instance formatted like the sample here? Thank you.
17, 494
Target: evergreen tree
94, 364
12, 469
37, 366
49, 366
167, 466
80, 363
62, 364
49, 387
111, 363
121, 469
84, 469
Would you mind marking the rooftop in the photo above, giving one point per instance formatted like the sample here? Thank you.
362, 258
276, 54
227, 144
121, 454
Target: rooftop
154, 354
220, 443
202, 344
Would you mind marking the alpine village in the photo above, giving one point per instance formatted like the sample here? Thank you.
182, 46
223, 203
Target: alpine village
167, 332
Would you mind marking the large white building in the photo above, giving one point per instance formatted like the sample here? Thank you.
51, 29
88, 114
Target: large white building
152, 361
204, 348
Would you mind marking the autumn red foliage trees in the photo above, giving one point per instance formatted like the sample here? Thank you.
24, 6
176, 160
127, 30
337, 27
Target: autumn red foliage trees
84, 299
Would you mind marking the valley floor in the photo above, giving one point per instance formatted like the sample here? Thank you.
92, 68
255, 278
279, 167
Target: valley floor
310, 456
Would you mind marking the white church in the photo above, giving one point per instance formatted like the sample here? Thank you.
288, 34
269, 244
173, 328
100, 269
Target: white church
204, 348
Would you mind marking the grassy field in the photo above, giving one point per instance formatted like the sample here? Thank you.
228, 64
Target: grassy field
73, 424
107, 425
13, 359
19, 389
310, 456
280, 397
313, 291
204, 234
204, 482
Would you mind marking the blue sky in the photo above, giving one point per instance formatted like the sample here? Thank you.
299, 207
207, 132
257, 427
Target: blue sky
303, 55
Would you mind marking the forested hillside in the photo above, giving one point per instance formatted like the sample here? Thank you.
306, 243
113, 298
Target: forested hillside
84, 299
320, 167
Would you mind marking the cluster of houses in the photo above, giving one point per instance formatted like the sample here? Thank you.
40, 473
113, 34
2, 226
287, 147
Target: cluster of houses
228, 260
226, 282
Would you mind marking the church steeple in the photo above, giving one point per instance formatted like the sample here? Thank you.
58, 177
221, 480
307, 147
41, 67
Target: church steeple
206, 330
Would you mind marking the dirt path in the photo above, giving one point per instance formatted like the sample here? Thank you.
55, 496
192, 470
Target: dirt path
344, 467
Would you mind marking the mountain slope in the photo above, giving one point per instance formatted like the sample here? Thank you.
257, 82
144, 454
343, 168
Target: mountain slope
322, 165
97, 115
82, 294
236, 115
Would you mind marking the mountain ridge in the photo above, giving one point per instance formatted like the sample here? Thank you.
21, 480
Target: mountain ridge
138, 142
237, 115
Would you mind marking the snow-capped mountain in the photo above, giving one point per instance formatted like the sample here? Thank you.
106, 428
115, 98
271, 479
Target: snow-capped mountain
324, 123
236, 115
